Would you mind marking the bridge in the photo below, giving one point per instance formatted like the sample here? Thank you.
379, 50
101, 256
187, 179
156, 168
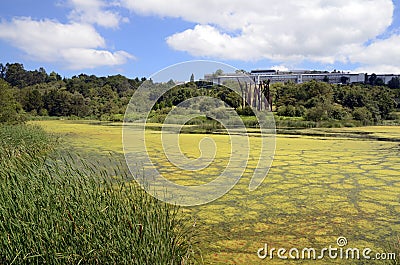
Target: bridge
256, 93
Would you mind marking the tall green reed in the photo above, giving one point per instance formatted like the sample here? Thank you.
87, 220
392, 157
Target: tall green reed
57, 208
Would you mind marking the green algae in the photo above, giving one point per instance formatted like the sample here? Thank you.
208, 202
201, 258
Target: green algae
318, 188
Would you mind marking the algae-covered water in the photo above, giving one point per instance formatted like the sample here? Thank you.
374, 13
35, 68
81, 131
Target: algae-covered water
337, 182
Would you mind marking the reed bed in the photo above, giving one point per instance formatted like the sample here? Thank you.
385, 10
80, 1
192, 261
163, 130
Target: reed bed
57, 208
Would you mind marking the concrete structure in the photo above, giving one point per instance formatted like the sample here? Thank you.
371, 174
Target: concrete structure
296, 76
386, 77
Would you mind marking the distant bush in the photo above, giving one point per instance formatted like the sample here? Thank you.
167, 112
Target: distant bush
291, 111
10, 110
295, 123
338, 112
393, 116
363, 115
246, 111
317, 113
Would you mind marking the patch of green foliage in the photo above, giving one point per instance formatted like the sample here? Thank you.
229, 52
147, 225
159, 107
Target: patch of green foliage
319, 101
10, 109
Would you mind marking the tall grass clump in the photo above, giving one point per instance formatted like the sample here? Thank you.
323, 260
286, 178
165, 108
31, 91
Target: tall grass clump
59, 209
22, 141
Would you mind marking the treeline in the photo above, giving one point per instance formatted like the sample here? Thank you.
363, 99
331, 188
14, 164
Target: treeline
26, 93
180, 93
38, 93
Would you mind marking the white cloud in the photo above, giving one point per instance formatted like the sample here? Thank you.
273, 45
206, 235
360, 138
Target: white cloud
283, 31
380, 56
206, 41
280, 68
94, 12
379, 69
74, 45
91, 58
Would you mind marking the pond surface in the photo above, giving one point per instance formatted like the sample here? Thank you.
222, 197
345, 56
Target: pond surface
319, 188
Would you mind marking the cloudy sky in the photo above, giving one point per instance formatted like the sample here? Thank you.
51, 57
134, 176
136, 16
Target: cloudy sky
141, 37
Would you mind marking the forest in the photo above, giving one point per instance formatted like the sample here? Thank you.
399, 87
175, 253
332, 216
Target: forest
36, 93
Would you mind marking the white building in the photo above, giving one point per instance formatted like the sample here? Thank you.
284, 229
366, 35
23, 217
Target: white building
295, 76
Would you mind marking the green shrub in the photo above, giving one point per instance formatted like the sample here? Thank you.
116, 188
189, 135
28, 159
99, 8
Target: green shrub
393, 116
246, 111
10, 110
317, 113
291, 111
363, 115
338, 112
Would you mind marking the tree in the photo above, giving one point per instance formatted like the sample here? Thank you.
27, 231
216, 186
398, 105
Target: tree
37, 76
316, 113
314, 93
106, 93
383, 101
231, 98
372, 79
337, 112
32, 100
394, 83
58, 102
79, 106
217, 73
354, 97
15, 75
118, 83
10, 110
241, 71
2, 71
54, 77
363, 115
344, 79
79, 84
192, 78
379, 82
288, 111
171, 83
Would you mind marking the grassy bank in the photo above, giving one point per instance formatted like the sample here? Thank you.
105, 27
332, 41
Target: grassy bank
57, 208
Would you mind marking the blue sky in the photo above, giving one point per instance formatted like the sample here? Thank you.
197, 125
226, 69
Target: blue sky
141, 37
